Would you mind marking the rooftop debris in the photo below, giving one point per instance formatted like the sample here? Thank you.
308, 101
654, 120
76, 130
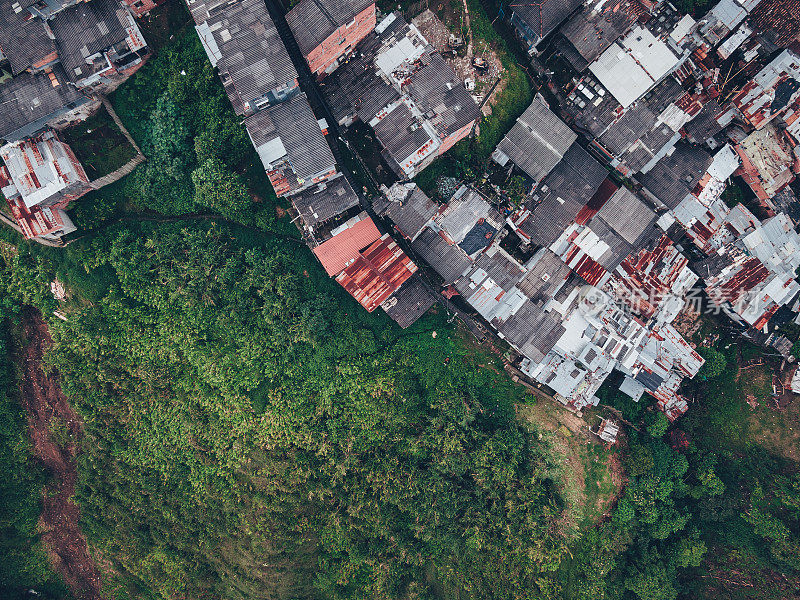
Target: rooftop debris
402, 88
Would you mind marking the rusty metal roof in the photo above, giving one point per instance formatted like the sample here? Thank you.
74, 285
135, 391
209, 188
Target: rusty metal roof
344, 246
377, 272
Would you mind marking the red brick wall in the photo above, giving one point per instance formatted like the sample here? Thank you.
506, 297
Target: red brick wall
341, 41
454, 137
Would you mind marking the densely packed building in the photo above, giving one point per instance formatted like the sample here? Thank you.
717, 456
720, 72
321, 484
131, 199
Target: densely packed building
242, 41
56, 56
406, 92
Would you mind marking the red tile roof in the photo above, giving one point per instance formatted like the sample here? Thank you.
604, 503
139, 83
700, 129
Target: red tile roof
377, 273
337, 252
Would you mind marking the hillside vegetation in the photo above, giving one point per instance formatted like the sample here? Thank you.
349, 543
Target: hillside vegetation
252, 432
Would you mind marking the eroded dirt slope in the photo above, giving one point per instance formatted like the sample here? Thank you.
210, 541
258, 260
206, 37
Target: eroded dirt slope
55, 431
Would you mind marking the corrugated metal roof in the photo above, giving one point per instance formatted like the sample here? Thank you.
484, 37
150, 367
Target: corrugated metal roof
409, 302
320, 203
676, 175
337, 252
29, 99
24, 40
412, 213
254, 61
449, 261
537, 141
376, 273
593, 30
313, 21
88, 28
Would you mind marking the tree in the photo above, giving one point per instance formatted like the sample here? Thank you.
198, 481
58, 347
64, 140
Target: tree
657, 424
715, 364
220, 190
163, 183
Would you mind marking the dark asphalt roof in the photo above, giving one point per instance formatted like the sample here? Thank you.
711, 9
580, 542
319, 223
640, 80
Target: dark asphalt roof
355, 89
537, 141
640, 119
674, 176
23, 40
29, 97
318, 204
313, 21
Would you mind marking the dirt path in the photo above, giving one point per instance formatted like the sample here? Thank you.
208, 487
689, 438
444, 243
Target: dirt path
50, 417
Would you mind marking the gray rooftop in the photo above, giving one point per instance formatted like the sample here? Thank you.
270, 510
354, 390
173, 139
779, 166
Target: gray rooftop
504, 272
449, 261
639, 123
355, 89
401, 134
253, 60
410, 302
313, 21
546, 274
294, 123
86, 29
674, 176
532, 331
435, 88
29, 100
536, 142
24, 41
628, 216
321, 203
625, 224
543, 17
591, 32
562, 194
411, 215
705, 125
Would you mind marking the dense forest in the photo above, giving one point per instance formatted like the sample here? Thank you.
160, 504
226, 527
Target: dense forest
251, 432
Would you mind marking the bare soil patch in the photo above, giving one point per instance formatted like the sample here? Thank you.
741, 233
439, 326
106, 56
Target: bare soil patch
438, 35
55, 430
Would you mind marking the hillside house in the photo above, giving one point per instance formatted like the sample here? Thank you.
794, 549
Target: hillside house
41, 175
291, 145
241, 40
534, 21
328, 31
374, 270
536, 143
406, 92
